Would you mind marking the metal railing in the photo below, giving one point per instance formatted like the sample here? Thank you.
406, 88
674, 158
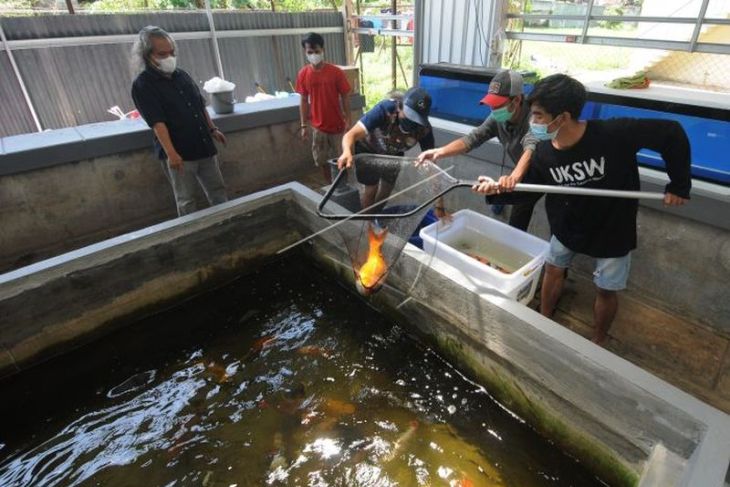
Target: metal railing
692, 45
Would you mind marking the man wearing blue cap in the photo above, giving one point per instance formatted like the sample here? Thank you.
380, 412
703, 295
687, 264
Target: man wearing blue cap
391, 127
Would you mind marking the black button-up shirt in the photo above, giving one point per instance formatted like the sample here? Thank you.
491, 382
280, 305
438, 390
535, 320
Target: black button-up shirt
177, 102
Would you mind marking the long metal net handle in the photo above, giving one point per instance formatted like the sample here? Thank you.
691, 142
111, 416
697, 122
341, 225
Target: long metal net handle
522, 187
456, 183
570, 190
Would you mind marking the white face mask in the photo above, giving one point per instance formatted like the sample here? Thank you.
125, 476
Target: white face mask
314, 58
167, 65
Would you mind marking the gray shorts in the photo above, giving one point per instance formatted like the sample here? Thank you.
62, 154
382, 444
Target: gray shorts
611, 273
325, 146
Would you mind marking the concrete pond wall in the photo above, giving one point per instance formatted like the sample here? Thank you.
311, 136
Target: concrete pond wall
64, 189
630, 427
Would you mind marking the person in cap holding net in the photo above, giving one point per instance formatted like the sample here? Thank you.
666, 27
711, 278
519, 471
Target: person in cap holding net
171, 103
391, 127
324, 101
509, 121
593, 154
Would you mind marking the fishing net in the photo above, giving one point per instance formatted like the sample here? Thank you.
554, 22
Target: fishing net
386, 198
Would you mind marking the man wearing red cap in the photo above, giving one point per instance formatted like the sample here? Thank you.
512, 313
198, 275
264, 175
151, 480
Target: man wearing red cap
510, 123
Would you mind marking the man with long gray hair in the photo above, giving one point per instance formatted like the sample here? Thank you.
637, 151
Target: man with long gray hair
171, 103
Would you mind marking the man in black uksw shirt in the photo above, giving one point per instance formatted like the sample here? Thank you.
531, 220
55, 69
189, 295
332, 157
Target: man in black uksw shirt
593, 154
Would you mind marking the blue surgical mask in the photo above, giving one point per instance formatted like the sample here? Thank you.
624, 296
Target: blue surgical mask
502, 115
540, 131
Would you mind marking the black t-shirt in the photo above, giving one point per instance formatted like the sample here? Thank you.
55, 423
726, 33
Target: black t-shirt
605, 157
177, 102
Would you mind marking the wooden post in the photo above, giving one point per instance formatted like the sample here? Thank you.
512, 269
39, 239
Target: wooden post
360, 54
346, 17
70, 7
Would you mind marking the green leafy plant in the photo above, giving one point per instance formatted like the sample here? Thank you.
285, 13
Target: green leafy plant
612, 24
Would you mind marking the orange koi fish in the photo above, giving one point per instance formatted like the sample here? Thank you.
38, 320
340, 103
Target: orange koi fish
337, 408
216, 371
401, 441
488, 262
371, 274
257, 347
314, 351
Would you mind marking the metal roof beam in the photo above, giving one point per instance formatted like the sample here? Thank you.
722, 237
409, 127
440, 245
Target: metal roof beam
124, 38
705, 47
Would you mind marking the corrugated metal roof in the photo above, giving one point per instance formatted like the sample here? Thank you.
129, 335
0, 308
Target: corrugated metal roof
45, 26
48, 26
75, 85
250, 60
275, 20
15, 118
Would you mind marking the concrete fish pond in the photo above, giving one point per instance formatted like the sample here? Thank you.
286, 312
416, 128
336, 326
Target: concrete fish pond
265, 370
279, 378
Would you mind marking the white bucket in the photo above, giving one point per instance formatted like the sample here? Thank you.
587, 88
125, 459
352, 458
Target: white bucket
528, 252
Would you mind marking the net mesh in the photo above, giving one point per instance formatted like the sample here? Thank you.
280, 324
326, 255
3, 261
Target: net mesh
387, 199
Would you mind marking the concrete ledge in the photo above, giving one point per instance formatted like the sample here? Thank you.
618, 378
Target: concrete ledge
108, 284
28, 152
49, 206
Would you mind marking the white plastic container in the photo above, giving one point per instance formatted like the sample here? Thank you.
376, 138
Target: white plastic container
519, 254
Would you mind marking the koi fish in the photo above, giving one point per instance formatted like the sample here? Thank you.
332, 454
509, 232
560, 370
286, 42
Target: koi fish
371, 273
402, 440
257, 347
314, 351
488, 262
261, 343
278, 460
334, 407
216, 371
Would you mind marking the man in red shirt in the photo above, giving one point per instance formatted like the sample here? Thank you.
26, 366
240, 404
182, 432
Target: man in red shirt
325, 101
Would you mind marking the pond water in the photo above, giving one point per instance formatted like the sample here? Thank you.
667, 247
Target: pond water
279, 378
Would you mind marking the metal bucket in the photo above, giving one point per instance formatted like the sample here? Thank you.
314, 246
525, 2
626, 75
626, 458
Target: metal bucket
223, 102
